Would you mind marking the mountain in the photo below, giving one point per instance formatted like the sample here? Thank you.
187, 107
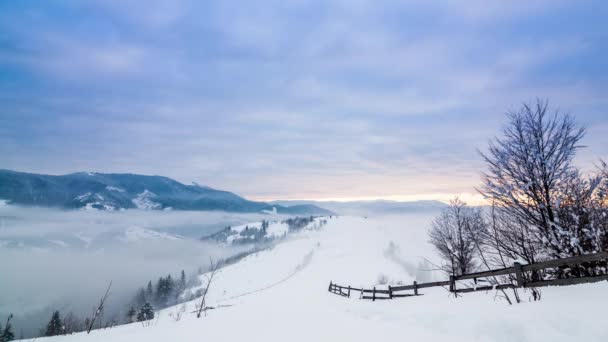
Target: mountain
112, 191
367, 207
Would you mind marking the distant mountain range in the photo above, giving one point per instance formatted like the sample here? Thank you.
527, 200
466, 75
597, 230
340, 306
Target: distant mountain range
110, 191
377, 207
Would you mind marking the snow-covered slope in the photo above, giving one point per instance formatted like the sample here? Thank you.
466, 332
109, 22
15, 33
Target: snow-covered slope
265, 231
281, 295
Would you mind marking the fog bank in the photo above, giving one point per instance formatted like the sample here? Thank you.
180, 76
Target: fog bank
55, 259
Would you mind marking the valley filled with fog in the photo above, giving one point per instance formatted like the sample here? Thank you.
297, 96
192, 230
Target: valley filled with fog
64, 259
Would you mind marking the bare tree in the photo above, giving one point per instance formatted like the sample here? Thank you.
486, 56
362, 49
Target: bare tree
202, 305
99, 310
453, 234
529, 166
510, 239
72, 323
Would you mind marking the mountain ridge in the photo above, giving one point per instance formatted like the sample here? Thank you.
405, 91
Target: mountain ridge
368, 207
117, 191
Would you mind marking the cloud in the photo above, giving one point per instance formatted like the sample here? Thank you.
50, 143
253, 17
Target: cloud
64, 260
287, 98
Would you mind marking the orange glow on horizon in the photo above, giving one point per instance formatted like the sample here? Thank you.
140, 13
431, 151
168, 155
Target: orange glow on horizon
469, 198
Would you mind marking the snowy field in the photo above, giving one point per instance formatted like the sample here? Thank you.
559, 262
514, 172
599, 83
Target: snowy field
281, 295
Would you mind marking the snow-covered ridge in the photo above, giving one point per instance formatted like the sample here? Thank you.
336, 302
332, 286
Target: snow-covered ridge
268, 230
145, 200
136, 233
88, 196
94, 201
114, 188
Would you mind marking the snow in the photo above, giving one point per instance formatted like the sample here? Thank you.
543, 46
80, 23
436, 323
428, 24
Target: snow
95, 205
145, 200
98, 201
136, 233
114, 188
281, 294
83, 197
242, 227
277, 229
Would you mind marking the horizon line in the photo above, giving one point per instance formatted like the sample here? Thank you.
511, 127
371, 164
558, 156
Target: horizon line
469, 198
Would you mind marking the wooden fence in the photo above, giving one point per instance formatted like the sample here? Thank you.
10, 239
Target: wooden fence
517, 273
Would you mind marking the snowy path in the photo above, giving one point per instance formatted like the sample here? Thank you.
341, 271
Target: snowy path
298, 268
281, 295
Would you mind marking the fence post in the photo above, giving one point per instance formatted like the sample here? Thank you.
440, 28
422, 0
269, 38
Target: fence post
329, 289
374, 294
415, 288
519, 274
452, 283
348, 291
390, 292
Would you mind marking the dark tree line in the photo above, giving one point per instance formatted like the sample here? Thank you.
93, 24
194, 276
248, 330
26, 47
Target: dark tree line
542, 206
298, 223
141, 308
165, 293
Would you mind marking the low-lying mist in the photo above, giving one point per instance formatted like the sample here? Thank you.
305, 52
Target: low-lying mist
64, 260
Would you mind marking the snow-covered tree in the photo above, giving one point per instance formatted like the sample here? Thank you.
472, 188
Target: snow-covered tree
165, 288
182, 280
55, 325
140, 298
145, 313
149, 291
72, 323
529, 167
131, 314
508, 239
7, 334
454, 232
180, 286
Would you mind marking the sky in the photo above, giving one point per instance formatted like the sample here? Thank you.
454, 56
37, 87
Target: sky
295, 99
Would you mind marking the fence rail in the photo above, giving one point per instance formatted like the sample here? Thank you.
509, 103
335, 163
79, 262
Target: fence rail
517, 273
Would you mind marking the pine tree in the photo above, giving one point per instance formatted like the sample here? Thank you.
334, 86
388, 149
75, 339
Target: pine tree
149, 291
146, 312
170, 289
7, 334
264, 227
182, 281
55, 326
160, 290
140, 297
131, 315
